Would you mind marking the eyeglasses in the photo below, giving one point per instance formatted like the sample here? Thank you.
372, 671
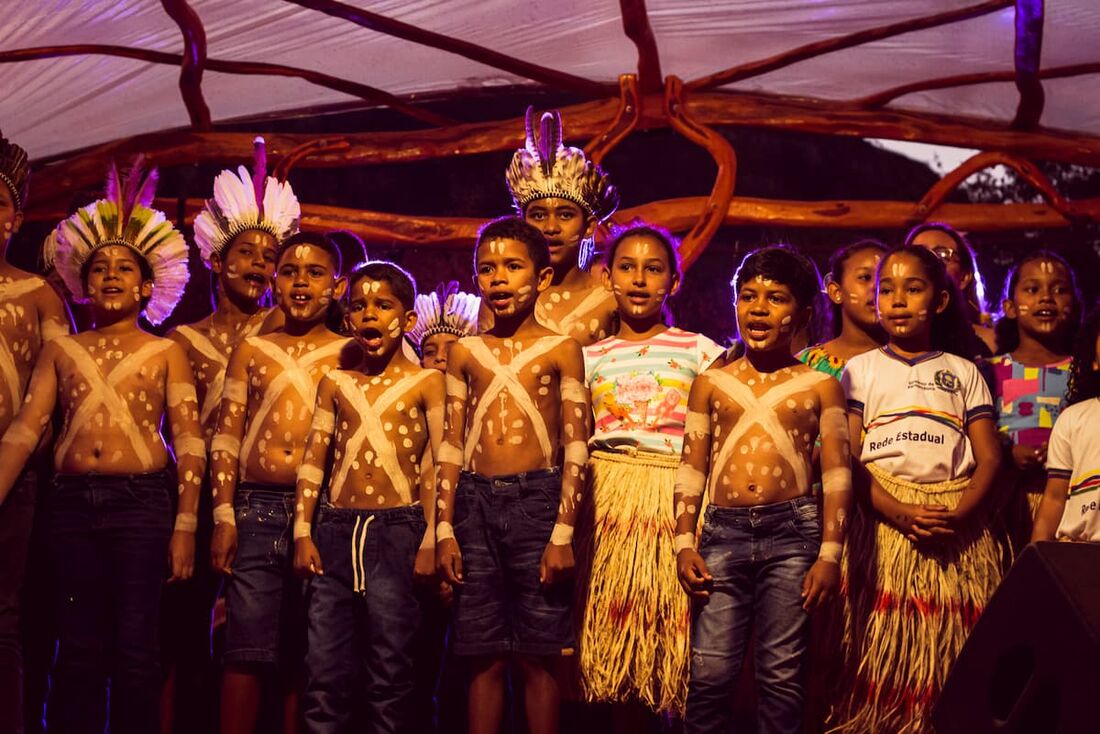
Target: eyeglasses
946, 254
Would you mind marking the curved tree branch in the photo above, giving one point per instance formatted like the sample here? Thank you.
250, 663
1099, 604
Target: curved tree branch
193, 62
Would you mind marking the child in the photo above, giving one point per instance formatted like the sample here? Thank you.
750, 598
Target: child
922, 562
267, 405
380, 421
111, 520
1041, 313
850, 287
31, 314
511, 474
565, 196
1069, 507
765, 557
950, 246
237, 233
442, 317
634, 633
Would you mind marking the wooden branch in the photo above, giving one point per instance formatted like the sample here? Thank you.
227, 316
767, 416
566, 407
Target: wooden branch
717, 204
303, 151
472, 51
818, 48
194, 60
1027, 170
677, 215
885, 97
252, 68
637, 29
626, 119
1027, 53
584, 121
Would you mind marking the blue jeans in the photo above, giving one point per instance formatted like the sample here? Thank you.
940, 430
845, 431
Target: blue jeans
364, 614
109, 552
502, 525
263, 599
758, 557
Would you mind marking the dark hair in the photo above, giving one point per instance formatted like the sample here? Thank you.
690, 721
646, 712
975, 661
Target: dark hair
835, 273
975, 292
662, 236
401, 283
313, 239
951, 330
1084, 379
1007, 330
783, 264
515, 228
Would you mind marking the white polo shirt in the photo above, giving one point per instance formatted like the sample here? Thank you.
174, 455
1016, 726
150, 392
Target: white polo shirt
916, 411
1074, 454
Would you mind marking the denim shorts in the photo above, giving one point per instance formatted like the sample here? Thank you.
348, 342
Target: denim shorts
265, 620
502, 525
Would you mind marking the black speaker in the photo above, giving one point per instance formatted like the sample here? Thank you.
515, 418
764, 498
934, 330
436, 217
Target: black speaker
1032, 663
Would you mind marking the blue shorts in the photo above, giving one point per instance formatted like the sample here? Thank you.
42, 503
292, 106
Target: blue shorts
502, 525
265, 619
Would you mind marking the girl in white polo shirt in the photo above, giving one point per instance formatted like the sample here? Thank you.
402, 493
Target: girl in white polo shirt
1070, 509
921, 561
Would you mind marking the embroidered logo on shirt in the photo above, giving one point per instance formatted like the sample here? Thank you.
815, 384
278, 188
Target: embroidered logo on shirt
947, 381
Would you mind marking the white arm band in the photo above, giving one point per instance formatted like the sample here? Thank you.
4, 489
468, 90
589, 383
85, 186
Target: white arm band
690, 482
830, 552
572, 390
228, 444
302, 529
576, 452
562, 534
179, 392
187, 522
837, 479
311, 474
683, 541
444, 531
449, 454
456, 387
20, 436
190, 446
224, 513
696, 425
235, 390
324, 420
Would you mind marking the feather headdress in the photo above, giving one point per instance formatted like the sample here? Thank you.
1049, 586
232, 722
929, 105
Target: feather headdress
14, 170
545, 168
244, 201
123, 217
446, 310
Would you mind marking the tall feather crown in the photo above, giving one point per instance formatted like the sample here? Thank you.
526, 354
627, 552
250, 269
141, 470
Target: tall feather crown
123, 217
244, 201
14, 170
446, 310
545, 168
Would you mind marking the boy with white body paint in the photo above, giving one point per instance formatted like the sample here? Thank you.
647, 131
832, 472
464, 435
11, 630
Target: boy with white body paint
556, 189
764, 559
111, 519
238, 233
374, 428
31, 314
267, 407
511, 472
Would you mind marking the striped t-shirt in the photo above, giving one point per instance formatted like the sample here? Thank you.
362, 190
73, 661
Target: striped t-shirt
640, 388
916, 411
1074, 454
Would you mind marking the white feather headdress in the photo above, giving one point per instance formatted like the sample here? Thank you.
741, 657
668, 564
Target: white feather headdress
244, 201
124, 217
545, 168
445, 310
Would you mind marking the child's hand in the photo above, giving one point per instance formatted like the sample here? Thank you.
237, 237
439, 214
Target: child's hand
446, 594
424, 567
448, 561
307, 559
181, 555
693, 573
223, 548
819, 584
922, 522
557, 563
1029, 458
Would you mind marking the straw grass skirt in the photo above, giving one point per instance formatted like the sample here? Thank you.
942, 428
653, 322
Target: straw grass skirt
908, 610
635, 618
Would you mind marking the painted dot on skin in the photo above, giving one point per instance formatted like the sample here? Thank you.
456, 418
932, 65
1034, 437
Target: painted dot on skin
791, 404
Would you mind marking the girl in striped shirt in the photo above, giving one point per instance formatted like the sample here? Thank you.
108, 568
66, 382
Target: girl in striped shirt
634, 628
